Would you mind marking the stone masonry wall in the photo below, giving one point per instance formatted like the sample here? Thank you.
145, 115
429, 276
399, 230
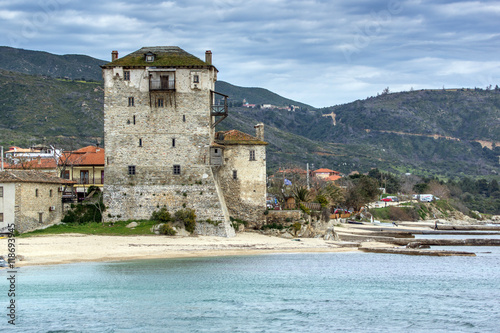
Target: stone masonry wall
29, 206
246, 195
154, 138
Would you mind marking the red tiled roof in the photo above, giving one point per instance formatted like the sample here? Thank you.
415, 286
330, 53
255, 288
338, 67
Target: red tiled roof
42, 163
323, 170
89, 155
333, 178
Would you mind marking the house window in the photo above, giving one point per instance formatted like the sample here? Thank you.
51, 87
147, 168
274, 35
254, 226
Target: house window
177, 169
36, 192
173, 142
1, 217
65, 174
130, 101
216, 151
131, 169
235, 174
40, 217
50, 193
252, 155
160, 102
196, 79
133, 119
84, 177
1, 191
126, 75
140, 142
102, 176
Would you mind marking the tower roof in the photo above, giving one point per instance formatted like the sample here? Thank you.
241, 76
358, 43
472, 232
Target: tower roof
235, 137
163, 56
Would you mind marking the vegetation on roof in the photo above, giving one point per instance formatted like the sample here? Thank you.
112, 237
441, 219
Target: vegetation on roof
173, 59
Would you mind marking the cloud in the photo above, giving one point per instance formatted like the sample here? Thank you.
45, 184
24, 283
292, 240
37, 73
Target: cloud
318, 52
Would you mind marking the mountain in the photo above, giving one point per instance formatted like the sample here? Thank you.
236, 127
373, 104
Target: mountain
71, 66
444, 133
257, 96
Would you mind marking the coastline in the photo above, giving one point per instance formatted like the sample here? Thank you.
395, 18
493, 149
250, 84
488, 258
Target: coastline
73, 248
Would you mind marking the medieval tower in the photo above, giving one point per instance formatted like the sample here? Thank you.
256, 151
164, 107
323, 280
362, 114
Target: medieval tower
160, 113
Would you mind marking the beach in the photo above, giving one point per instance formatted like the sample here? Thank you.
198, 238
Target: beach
71, 248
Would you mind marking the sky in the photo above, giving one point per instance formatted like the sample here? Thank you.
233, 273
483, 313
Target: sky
318, 52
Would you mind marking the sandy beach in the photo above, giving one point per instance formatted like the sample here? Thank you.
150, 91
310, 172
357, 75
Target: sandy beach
70, 248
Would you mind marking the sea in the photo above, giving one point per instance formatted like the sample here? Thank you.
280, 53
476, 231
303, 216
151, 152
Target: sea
293, 292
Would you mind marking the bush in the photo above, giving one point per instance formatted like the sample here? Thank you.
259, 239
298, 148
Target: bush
188, 217
166, 229
161, 215
402, 214
296, 228
84, 213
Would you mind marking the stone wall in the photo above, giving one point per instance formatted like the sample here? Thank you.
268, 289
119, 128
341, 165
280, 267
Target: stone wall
246, 195
281, 216
29, 206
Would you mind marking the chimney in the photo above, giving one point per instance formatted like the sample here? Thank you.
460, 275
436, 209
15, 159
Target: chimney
259, 131
114, 55
208, 57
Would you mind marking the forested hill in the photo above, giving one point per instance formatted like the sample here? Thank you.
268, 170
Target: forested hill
70, 66
432, 132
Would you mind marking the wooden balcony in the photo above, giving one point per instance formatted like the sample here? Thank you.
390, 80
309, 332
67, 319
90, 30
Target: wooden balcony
219, 107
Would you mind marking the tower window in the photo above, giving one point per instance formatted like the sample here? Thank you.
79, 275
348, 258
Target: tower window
184, 118
173, 142
160, 102
134, 120
196, 79
140, 142
50, 193
131, 169
36, 192
252, 155
177, 169
130, 101
1, 217
235, 174
1, 191
126, 75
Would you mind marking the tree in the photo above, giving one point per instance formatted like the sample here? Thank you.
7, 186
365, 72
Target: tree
361, 191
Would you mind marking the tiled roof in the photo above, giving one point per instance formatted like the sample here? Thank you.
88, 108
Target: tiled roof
333, 178
90, 155
165, 56
323, 170
38, 163
235, 137
294, 170
31, 176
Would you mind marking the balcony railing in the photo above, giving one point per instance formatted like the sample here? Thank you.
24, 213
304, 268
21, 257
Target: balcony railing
161, 84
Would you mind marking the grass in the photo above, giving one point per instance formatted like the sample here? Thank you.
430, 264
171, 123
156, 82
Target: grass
97, 228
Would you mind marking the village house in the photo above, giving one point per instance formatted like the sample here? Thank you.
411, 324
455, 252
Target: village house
85, 166
326, 174
160, 113
30, 199
17, 155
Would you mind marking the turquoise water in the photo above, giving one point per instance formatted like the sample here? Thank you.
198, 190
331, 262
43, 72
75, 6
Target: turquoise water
328, 292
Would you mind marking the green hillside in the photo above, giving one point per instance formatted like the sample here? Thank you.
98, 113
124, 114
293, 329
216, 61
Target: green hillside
71, 66
255, 96
36, 108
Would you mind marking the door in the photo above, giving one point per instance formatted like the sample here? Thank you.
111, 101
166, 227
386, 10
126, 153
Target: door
84, 176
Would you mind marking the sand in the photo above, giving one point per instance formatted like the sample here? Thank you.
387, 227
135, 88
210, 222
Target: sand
70, 248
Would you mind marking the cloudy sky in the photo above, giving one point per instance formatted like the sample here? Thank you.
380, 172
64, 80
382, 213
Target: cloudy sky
320, 52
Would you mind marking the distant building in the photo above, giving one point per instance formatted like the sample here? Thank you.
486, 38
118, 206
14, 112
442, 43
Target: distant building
325, 173
30, 199
17, 155
85, 166
160, 113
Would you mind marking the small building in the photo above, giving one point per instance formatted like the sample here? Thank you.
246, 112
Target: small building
30, 199
243, 173
325, 173
17, 154
48, 165
85, 166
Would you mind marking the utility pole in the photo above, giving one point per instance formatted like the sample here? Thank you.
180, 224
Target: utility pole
307, 176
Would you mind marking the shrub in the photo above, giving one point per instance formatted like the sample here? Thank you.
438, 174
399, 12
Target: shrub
305, 209
322, 200
296, 228
161, 215
166, 229
188, 217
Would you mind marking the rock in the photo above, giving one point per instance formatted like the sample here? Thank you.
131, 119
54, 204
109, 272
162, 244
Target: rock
330, 234
132, 225
413, 245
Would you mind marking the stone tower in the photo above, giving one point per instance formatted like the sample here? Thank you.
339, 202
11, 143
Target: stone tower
160, 111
